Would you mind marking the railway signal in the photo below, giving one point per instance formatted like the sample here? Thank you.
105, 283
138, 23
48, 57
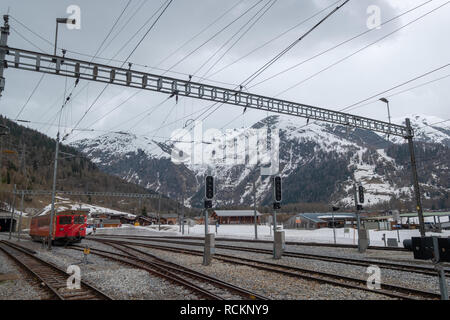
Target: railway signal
209, 238
278, 188
209, 189
361, 194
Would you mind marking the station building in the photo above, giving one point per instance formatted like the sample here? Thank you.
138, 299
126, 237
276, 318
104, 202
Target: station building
236, 216
320, 220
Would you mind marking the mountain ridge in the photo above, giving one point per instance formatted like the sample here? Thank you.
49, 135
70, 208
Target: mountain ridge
317, 163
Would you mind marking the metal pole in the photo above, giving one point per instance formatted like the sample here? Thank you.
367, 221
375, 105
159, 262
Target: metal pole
52, 214
3, 42
56, 38
205, 253
179, 217
415, 178
334, 227
206, 222
254, 210
274, 230
182, 214
12, 212
159, 213
389, 114
358, 222
20, 219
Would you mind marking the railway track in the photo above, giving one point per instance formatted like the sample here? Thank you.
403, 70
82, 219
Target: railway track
352, 261
293, 243
52, 277
389, 290
200, 284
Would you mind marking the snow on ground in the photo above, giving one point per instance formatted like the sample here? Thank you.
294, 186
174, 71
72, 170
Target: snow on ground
324, 235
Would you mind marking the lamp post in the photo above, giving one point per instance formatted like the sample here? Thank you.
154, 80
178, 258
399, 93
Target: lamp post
64, 21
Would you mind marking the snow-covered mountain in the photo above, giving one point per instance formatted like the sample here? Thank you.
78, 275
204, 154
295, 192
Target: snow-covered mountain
318, 162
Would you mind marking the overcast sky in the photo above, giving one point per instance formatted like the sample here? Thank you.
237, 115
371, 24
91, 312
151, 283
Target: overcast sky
410, 52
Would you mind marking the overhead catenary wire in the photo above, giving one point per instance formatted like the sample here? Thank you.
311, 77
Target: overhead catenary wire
246, 82
254, 75
167, 4
358, 51
169, 70
215, 35
138, 8
403, 91
190, 40
255, 17
339, 44
274, 39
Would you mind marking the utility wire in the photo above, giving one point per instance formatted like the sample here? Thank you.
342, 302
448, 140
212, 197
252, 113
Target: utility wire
234, 35
125, 25
199, 33
293, 44
273, 60
169, 70
215, 35
338, 45
275, 38
359, 50
131, 53
403, 91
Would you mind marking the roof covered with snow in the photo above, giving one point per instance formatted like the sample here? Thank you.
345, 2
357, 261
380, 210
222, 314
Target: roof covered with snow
236, 213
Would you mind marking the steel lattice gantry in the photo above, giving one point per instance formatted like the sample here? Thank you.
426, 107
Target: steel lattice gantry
79, 69
88, 193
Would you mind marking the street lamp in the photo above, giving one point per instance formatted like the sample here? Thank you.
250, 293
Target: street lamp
389, 112
64, 21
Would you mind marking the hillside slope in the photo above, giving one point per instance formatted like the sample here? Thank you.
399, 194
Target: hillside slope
27, 159
318, 163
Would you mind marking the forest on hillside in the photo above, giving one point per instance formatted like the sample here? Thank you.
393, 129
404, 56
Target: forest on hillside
27, 161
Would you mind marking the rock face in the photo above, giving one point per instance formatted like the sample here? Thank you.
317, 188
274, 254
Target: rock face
317, 162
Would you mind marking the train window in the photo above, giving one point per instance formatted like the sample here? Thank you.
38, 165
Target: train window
78, 220
65, 220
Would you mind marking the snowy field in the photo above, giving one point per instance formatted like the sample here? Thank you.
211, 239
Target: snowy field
324, 235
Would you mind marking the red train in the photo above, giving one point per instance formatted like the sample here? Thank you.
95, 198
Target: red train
69, 226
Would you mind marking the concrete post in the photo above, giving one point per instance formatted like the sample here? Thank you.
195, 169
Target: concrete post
363, 240
279, 244
209, 249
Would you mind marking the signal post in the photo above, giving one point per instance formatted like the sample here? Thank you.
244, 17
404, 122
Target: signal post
209, 247
278, 236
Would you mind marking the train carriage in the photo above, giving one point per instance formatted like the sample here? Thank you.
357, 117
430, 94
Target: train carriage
68, 226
